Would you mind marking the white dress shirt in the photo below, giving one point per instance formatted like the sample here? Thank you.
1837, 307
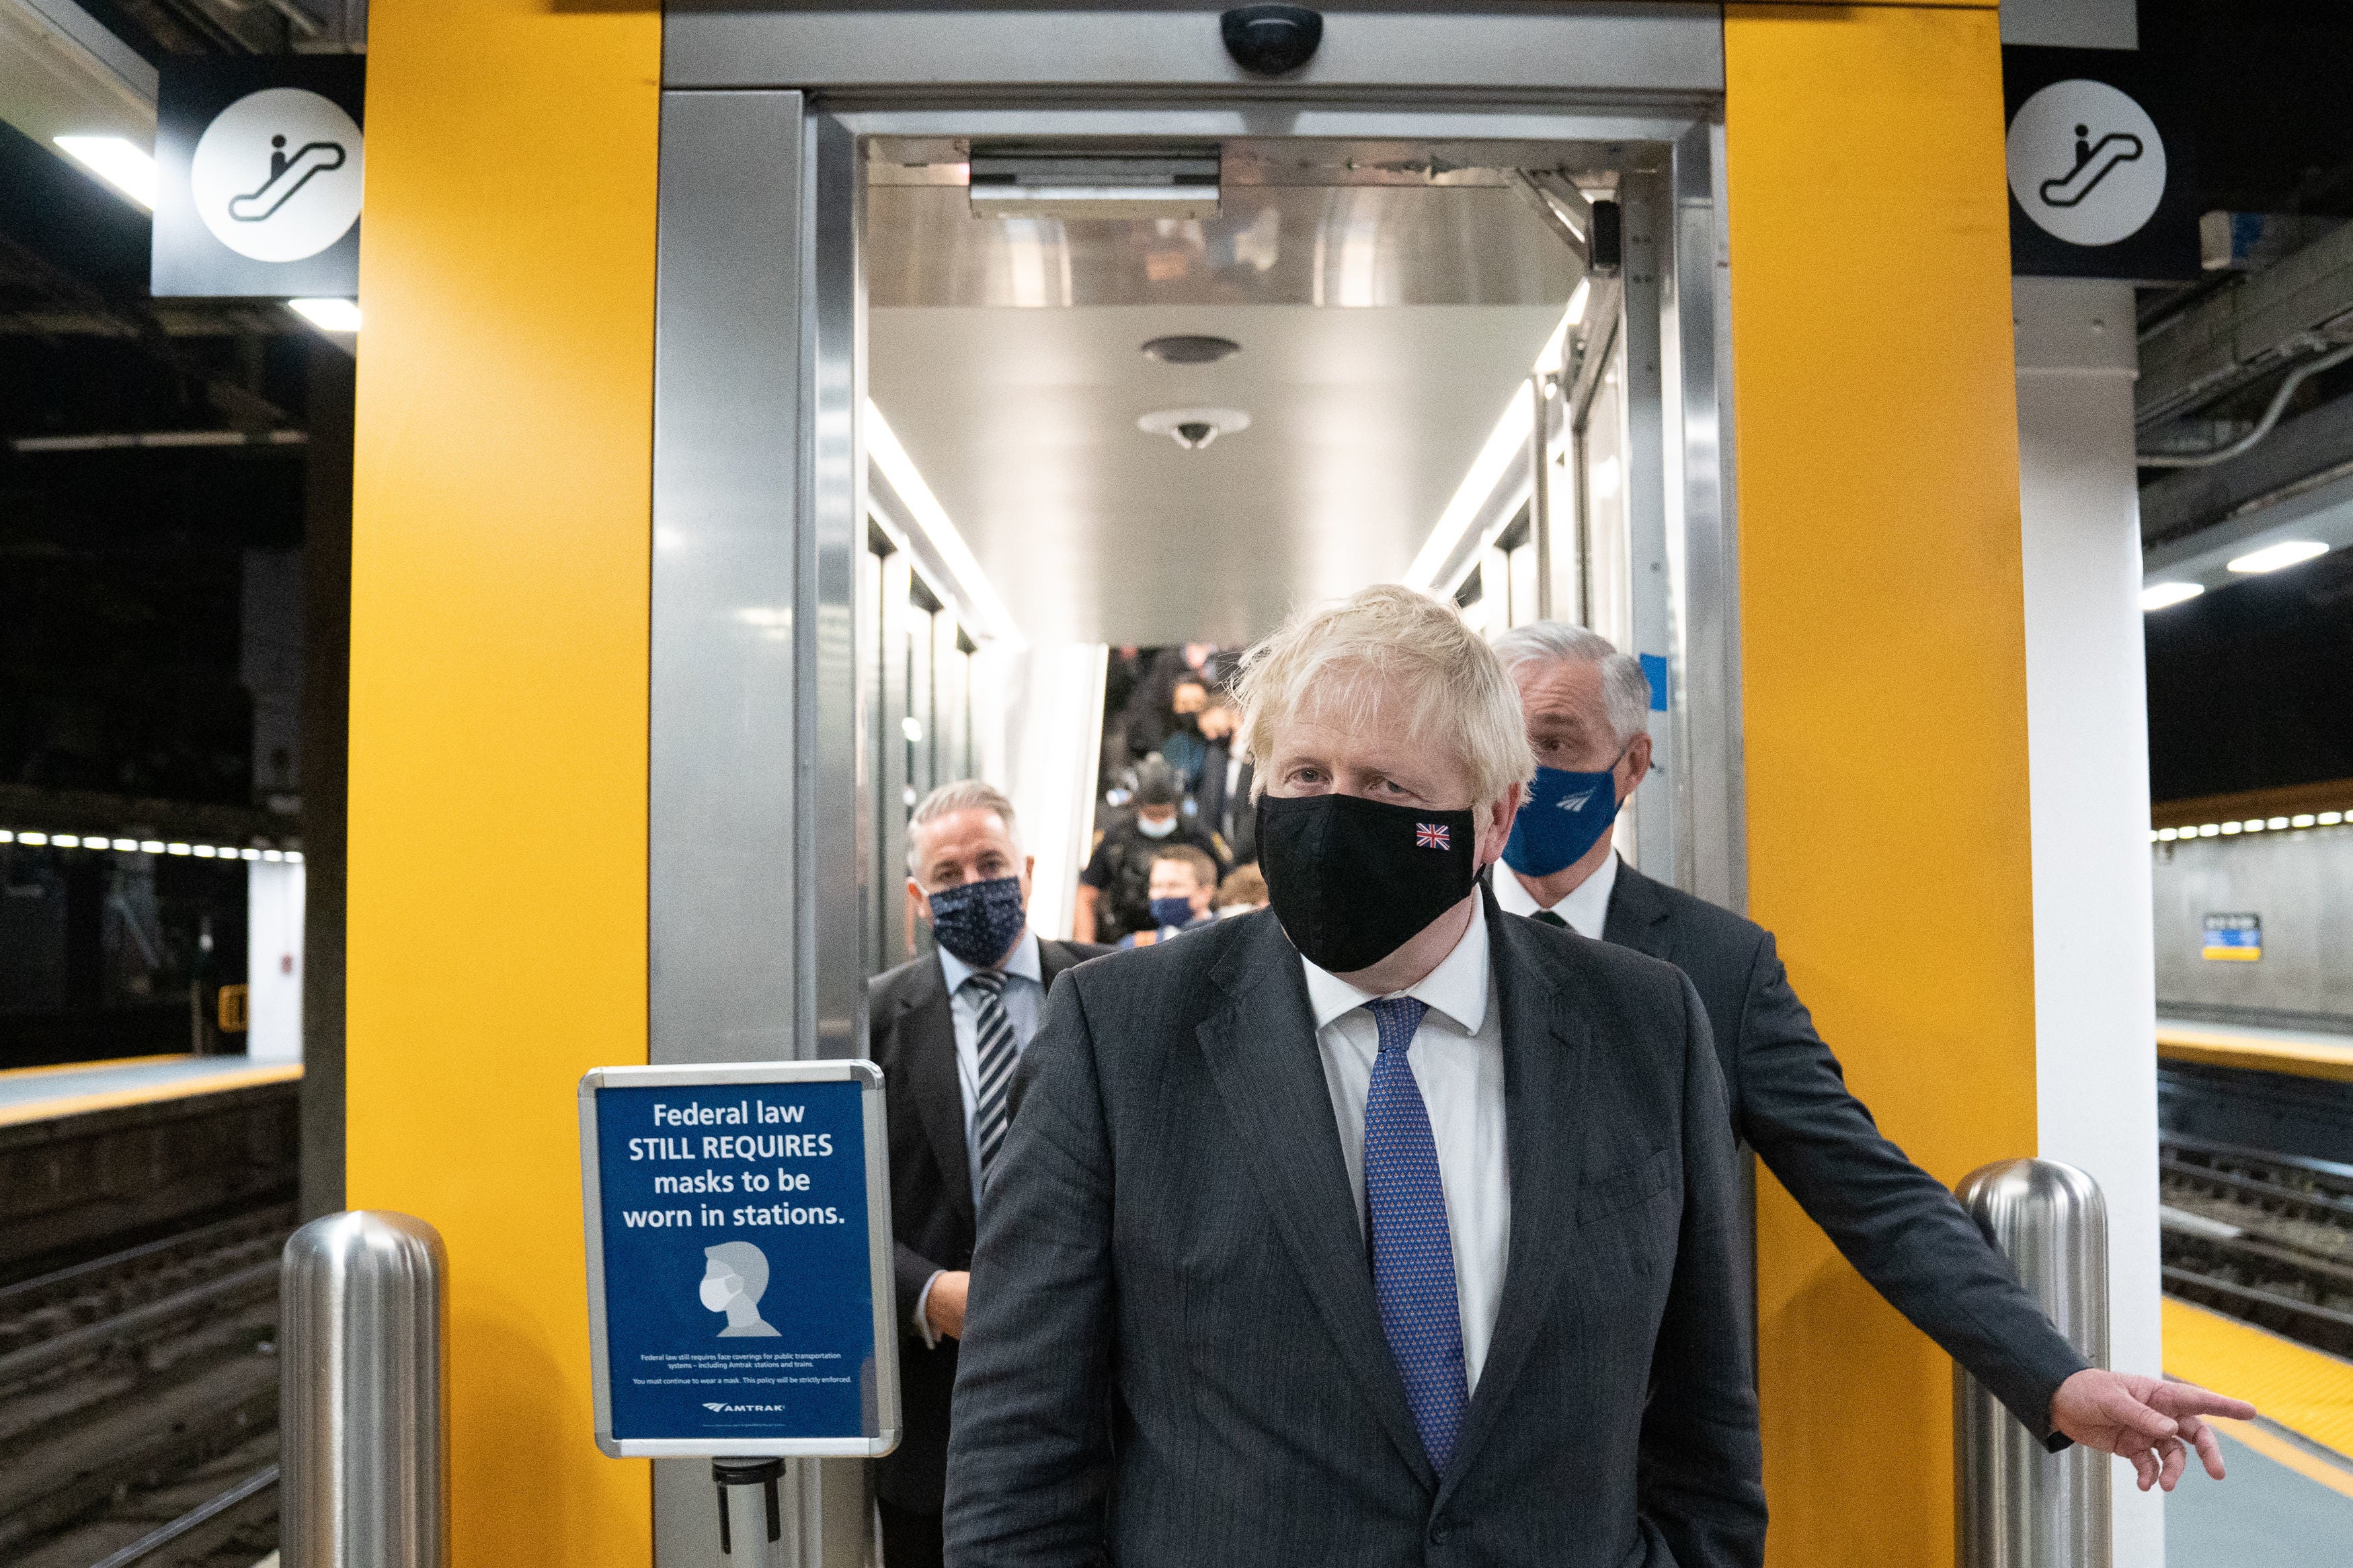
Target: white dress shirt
1025, 993
1457, 1057
1586, 909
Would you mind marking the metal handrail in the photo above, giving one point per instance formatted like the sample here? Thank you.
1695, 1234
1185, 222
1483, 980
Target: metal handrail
362, 1408
2017, 1504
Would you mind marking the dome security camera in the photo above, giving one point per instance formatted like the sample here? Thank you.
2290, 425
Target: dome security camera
1194, 428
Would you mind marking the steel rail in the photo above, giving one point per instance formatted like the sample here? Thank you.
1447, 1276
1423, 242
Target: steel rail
20, 1364
162, 1535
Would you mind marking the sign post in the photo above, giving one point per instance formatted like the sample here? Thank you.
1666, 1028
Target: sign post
740, 1294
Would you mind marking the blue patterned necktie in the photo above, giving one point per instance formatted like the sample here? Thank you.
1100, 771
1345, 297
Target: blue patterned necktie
1413, 1250
993, 1045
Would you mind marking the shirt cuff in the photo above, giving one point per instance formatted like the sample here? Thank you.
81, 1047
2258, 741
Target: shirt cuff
922, 1320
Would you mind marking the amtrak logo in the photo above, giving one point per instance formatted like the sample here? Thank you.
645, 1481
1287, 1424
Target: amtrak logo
1574, 802
2086, 162
276, 176
717, 1408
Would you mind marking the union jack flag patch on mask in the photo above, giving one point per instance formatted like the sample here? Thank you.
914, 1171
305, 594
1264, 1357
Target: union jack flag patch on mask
1429, 835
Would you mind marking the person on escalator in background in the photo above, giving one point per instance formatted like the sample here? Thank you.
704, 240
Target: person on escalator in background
1184, 880
1221, 792
1587, 710
1184, 747
1151, 706
947, 1029
1114, 894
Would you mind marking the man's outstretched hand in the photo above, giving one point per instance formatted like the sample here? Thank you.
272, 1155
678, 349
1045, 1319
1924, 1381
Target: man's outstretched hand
2147, 1420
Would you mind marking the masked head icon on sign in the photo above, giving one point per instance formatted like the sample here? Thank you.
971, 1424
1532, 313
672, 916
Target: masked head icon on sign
734, 1279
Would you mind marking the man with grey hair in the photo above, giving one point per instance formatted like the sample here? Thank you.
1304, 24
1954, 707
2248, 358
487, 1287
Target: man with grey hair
1587, 707
947, 1030
1258, 1286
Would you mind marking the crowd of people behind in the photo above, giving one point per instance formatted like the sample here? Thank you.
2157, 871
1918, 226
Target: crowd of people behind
1176, 840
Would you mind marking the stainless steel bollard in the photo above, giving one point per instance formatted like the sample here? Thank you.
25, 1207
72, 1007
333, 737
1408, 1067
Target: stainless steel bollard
2017, 1505
362, 1405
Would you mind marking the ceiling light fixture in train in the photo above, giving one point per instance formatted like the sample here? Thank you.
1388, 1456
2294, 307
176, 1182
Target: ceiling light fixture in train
1193, 429
1027, 183
1190, 348
2163, 596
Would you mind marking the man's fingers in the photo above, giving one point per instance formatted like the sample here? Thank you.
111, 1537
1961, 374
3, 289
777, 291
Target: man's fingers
2144, 1464
2210, 1450
2189, 1399
2141, 1421
2175, 1457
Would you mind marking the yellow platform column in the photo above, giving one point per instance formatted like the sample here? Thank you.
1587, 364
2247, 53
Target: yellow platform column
498, 718
1883, 662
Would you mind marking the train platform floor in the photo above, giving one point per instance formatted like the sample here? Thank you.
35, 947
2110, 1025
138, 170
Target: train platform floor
41, 1094
2289, 1499
2301, 1053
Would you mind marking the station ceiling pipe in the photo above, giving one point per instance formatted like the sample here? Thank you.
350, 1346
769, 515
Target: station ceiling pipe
2270, 417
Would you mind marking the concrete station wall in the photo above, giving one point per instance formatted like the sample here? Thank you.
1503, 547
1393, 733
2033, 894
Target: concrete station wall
2300, 882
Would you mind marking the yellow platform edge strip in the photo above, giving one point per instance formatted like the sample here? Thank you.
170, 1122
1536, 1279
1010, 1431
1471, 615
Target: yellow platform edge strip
12, 1075
109, 1099
2308, 1392
2218, 1047
2280, 1451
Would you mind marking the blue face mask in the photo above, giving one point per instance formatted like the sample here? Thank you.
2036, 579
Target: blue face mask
1171, 911
1565, 815
978, 922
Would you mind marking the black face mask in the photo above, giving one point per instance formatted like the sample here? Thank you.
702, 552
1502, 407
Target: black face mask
1353, 880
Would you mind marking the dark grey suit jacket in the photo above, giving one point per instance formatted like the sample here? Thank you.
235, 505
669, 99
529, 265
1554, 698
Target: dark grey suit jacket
910, 1035
1895, 1222
1173, 1355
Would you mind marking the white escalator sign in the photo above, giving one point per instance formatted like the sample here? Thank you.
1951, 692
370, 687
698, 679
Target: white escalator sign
2086, 162
276, 176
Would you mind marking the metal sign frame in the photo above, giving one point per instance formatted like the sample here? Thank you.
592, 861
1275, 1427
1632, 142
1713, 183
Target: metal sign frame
875, 1131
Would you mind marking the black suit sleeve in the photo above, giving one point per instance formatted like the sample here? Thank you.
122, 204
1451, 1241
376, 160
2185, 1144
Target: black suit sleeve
1895, 1223
910, 1271
1029, 1455
1701, 1465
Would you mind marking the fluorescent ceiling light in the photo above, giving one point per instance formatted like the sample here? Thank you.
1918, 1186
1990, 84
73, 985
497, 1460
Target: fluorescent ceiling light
2159, 596
1506, 442
932, 520
2271, 558
328, 315
126, 166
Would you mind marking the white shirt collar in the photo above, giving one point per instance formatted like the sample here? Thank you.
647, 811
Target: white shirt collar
1457, 988
1586, 909
1023, 962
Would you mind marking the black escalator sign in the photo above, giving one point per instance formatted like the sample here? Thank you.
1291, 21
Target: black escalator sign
258, 165
2095, 190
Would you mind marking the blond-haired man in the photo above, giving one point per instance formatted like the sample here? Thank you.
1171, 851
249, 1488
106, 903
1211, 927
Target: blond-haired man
1377, 1228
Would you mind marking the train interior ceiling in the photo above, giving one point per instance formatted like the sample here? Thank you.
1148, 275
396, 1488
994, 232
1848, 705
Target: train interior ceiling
1162, 392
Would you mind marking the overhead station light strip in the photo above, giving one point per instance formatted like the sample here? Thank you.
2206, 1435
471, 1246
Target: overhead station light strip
2251, 824
979, 610
36, 838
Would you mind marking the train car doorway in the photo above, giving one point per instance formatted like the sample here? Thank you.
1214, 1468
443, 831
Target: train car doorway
988, 338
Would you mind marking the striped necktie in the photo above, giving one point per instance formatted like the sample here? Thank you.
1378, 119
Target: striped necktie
1413, 1248
995, 1045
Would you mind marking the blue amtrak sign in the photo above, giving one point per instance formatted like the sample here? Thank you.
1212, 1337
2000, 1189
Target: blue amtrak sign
738, 1239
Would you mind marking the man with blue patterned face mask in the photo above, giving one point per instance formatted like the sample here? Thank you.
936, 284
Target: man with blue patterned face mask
1588, 709
947, 1029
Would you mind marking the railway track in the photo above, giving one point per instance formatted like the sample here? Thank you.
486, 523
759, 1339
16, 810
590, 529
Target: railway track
136, 1387
2266, 1237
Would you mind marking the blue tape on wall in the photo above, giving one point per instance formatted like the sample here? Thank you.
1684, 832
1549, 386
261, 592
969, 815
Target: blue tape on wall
1654, 671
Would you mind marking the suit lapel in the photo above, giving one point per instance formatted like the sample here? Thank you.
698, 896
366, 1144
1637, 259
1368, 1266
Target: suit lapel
1259, 1044
1545, 1042
927, 1039
1638, 915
